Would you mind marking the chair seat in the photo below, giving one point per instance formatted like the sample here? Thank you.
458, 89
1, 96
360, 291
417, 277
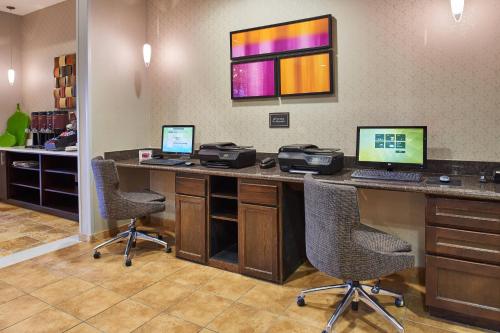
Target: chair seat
378, 241
146, 196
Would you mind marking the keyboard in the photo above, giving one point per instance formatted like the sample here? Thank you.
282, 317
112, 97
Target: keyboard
387, 175
164, 162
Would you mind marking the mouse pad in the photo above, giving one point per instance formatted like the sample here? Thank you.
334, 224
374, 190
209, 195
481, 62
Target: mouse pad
436, 181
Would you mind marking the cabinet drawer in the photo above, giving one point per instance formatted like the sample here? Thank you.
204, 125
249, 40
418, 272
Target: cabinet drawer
258, 194
190, 186
464, 214
477, 246
469, 289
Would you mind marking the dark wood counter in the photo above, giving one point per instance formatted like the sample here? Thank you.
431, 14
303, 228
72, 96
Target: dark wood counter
470, 188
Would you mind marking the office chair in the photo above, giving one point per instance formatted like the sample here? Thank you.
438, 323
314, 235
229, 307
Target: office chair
340, 246
118, 205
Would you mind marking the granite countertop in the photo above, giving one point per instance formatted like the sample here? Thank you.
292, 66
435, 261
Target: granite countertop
470, 188
21, 149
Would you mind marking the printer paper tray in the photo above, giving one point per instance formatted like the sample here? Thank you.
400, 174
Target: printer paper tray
312, 172
219, 165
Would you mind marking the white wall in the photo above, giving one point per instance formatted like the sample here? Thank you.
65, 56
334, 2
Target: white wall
399, 62
119, 104
9, 96
46, 34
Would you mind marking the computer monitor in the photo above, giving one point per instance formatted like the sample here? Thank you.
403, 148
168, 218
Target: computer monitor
177, 139
392, 146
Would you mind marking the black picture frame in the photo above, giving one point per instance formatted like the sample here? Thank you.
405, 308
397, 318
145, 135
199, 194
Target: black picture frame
276, 78
391, 164
329, 46
273, 124
298, 55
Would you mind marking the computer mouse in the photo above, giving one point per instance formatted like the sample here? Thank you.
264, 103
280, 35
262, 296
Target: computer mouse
444, 179
189, 163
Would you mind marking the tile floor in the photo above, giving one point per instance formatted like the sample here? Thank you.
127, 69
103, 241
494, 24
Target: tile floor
22, 229
69, 291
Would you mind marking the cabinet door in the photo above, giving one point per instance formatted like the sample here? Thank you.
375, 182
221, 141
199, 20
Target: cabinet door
190, 228
3, 175
462, 287
258, 241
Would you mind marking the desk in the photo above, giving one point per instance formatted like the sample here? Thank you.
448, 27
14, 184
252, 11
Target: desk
251, 221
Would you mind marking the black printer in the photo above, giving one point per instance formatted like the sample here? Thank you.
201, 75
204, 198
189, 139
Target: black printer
307, 158
226, 155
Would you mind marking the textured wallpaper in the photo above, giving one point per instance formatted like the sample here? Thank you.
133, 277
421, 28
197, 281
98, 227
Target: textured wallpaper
398, 63
46, 34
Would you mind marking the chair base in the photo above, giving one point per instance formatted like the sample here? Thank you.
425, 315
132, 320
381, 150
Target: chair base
354, 292
132, 234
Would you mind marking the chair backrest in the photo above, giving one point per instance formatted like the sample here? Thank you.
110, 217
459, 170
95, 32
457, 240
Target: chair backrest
106, 183
331, 212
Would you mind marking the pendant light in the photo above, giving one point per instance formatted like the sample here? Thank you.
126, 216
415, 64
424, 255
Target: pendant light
11, 73
146, 53
457, 9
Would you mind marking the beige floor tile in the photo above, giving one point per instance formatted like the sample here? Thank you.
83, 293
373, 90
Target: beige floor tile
18, 244
318, 310
54, 321
168, 324
200, 308
125, 316
50, 235
90, 303
194, 275
19, 309
243, 318
288, 325
31, 278
229, 285
412, 327
8, 292
83, 328
62, 290
129, 284
270, 297
307, 276
163, 295
366, 320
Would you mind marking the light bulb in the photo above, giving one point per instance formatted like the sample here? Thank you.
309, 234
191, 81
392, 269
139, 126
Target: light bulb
11, 75
146, 52
457, 9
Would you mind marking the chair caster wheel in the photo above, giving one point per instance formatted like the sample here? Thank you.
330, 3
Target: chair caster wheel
97, 255
324, 331
168, 249
160, 237
399, 302
375, 289
354, 306
301, 301
128, 262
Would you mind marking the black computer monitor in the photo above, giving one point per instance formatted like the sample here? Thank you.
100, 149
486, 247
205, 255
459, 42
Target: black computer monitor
388, 146
177, 139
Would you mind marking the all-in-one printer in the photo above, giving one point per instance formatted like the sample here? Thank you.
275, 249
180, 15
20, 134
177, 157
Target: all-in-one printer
226, 155
307, 158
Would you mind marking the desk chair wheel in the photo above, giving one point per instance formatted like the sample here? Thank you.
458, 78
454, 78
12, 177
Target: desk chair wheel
97, 255
399, 302
128, 262
160, 237
301, 301
168, 249
354, 306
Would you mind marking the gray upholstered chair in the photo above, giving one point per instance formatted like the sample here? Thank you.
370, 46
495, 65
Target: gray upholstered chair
340, 246
117, 205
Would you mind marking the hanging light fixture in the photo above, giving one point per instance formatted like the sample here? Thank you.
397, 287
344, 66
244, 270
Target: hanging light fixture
457, 9
146, 53
11, 73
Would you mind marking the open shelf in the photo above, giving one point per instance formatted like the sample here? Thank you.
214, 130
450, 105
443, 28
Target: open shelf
31, 186
223, 251
224, 187
24, 193
62, 202
25, 169
223, 195
68, 190
62, 171
224, 209
229, 254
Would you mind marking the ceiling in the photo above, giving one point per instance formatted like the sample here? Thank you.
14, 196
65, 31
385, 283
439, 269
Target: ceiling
24, 7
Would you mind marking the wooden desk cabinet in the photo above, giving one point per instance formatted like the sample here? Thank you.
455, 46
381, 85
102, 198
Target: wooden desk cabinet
463, 260
237, 225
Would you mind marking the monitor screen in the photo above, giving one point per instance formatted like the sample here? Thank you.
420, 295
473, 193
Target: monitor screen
177, 139
392, 145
